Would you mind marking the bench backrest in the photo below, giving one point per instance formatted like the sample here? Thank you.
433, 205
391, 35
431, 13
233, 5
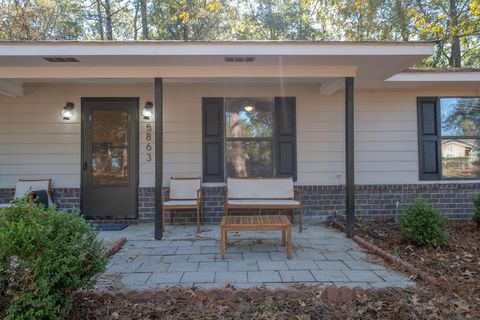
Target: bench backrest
184, 188
256, 188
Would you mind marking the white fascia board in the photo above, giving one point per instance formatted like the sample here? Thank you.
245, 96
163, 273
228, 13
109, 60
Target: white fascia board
213, 49
177, 72
435, 77
11, 88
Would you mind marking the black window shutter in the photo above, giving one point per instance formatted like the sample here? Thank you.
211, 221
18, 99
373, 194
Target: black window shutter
429, 138
285, 137
213, 136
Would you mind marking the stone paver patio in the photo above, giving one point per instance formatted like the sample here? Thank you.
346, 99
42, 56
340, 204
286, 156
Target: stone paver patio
184, 258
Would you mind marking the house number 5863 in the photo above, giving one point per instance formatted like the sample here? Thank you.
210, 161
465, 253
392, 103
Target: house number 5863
148, 138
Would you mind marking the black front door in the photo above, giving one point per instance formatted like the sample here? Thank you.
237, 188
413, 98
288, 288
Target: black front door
109, 158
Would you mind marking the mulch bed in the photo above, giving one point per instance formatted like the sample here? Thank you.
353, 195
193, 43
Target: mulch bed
455, 294
456, 267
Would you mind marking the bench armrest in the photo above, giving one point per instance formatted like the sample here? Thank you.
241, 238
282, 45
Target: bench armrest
166, 194
300, 194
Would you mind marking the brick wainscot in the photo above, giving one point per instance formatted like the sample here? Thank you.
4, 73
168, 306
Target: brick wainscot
320, 203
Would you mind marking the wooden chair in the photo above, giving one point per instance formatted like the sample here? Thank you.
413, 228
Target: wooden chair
27, 188
183, 193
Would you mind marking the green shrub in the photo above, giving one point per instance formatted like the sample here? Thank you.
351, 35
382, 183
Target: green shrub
423, 225
45, 257
476, 213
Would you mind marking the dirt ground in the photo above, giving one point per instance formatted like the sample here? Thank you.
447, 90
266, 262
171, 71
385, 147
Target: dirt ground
455, 295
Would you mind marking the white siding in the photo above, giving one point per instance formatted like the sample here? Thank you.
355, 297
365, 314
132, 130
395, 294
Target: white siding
36, 143
386, 135
319, 130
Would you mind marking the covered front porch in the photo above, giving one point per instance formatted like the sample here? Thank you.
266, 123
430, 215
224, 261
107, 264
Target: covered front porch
107, 116
172, 80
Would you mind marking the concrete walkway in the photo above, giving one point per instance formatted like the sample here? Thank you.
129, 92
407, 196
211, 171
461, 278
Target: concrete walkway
184, 258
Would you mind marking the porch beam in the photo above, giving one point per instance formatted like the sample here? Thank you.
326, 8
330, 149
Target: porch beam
158, 157
220, 71
349, 158
11, 88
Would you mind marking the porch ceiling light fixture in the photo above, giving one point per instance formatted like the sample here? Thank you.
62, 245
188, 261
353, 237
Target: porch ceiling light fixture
247, 106
67, 111
147, 112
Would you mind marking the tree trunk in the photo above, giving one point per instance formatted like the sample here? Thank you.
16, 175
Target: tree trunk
143, 10
135, 21
108, 19
239, 154
456, 53
402, 20
185, 32
100, 20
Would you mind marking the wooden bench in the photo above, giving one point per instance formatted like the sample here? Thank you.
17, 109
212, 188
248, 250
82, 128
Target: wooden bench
263, 193
257, 223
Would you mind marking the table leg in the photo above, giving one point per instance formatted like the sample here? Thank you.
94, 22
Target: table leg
289, 242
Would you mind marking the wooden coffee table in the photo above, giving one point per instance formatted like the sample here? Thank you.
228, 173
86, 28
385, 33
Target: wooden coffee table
257, 223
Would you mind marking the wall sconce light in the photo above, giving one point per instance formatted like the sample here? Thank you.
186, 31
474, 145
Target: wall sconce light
147, 112
67, 111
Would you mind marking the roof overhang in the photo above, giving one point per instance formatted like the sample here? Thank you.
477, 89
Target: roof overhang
438, 76
370, 62
208, 48
458, 78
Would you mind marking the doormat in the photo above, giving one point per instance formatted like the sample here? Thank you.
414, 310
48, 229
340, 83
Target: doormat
110, 227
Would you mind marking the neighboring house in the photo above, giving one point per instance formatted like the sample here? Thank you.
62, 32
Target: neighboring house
235, 109
460, 158
457, 149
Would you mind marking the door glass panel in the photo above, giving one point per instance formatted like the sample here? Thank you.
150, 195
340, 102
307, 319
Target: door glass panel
109, 147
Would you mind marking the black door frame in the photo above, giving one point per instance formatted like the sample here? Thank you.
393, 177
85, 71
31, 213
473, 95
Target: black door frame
134, 100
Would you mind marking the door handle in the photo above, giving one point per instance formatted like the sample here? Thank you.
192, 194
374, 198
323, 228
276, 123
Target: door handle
85, 165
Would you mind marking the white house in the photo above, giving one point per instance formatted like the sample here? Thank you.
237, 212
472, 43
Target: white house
111, 122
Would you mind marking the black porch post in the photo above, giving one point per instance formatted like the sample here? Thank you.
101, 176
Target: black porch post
349, 158
158, 157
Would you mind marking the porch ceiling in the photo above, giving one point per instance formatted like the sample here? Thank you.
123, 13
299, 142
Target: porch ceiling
370, 63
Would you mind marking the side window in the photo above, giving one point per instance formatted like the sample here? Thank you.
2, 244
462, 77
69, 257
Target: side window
460, 137
449, 138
